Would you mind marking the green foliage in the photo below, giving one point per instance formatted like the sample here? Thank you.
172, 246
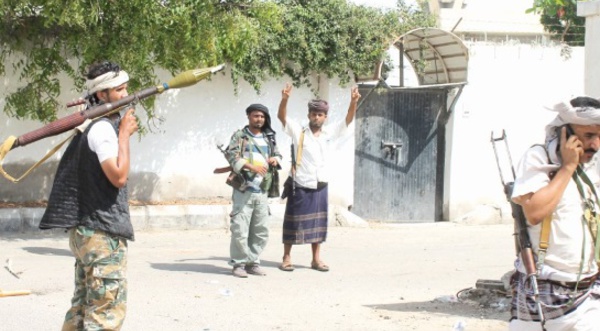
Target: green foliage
258, 39
559, 17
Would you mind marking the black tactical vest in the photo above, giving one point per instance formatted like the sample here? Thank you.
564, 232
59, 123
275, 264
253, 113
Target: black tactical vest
83, 195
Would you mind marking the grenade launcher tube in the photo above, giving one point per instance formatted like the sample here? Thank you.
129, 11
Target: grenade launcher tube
74, 120
184, 79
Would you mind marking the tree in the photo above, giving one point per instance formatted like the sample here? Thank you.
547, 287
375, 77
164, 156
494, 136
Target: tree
258, 39
559, 17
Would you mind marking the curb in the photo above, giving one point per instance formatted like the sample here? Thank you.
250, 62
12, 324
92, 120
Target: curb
25, 220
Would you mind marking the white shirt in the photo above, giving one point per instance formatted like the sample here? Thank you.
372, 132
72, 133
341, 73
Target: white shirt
102, 139
567, 233
313, 166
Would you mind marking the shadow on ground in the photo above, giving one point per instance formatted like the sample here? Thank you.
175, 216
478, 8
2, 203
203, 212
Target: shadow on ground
450, 308
191, 267
48, 251
34, 234
220, 265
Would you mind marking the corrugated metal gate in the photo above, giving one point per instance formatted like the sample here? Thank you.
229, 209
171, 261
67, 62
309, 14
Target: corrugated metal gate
399, 165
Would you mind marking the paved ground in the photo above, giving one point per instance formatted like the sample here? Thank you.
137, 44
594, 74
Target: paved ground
382, 278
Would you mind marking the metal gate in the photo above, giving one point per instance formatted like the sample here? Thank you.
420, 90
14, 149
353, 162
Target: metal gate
400, 147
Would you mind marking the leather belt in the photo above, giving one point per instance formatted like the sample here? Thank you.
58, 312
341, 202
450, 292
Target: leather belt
581, 285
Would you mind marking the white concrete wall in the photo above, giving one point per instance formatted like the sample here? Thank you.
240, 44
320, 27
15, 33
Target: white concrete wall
509, 86
591, 11
177, 161
508, 89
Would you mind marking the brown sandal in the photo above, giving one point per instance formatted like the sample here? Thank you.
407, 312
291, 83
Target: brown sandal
286, 266
319, 266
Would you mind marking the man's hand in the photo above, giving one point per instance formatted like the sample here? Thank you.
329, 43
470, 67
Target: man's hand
273, 161
128, 124
259, 169
285, 95
354, 95
570, 149
286, 92
543, 202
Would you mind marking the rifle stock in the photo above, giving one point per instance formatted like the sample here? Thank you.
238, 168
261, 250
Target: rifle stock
234, 180
222, 170
522, 243
525, 250
529, 264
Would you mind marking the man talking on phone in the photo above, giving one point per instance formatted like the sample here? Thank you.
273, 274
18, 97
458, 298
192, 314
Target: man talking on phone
557, 186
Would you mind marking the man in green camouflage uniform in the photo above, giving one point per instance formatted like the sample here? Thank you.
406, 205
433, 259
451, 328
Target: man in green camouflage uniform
89, 197
253, 155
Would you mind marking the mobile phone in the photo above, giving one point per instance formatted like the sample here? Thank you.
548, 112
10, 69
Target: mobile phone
559, 134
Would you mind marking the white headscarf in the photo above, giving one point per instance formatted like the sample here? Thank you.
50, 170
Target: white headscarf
567, 114
107, 80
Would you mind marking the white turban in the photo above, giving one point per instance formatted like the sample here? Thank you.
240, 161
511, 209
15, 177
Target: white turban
108, 80
567, 114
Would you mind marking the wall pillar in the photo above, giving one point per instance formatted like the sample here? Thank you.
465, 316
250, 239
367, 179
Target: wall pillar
591, 11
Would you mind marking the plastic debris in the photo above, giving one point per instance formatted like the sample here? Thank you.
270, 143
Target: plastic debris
459, 326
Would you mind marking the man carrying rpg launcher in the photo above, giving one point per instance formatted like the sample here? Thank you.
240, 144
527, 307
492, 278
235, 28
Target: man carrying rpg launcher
556, 184
89, 198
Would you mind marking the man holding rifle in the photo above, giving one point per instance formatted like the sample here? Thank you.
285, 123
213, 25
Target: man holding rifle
89, 198
253, 154
556, 184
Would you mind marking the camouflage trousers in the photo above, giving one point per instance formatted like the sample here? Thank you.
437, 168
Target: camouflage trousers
100, 297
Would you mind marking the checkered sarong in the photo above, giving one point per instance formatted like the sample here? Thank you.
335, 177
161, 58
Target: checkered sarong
305, 220
556, 300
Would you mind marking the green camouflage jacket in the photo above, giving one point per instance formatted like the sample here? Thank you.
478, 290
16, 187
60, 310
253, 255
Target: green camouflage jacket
234, 155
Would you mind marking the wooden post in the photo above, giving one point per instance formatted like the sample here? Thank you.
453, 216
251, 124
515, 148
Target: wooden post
14, 293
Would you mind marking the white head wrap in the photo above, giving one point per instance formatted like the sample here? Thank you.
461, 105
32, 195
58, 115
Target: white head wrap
108, 80
567, 114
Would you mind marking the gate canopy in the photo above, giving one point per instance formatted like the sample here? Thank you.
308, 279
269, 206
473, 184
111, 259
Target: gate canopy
437, 56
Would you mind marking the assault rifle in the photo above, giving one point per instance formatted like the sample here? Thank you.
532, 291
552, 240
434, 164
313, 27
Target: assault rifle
522, 241
222, 170
234, 180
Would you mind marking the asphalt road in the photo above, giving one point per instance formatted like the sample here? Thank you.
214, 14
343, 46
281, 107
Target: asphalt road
381, 278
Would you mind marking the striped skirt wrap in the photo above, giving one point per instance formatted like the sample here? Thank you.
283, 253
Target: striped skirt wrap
556, 300
305, 220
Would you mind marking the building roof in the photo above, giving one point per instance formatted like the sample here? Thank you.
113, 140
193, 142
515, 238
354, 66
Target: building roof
437, 56
489, 16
